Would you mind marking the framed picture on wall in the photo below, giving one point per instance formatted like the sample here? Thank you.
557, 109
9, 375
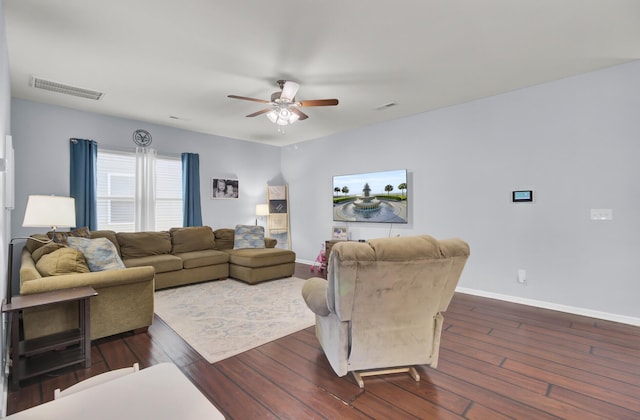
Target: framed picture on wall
340, 233
222, 188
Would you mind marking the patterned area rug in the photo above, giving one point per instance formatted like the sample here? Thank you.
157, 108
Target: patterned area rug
220, 319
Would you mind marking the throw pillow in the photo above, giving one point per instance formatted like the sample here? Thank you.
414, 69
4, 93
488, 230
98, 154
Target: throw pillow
36, 241
44, 250
61, 237
248, 236
100, 253
62, 261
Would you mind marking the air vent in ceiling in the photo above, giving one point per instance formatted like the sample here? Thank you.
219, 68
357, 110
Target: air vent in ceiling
52, 86
385, 106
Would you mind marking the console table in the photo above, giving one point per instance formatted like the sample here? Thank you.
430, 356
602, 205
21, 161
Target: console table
40, 355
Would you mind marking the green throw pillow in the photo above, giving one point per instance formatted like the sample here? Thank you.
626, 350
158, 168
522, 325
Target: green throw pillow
100, 253
62, 261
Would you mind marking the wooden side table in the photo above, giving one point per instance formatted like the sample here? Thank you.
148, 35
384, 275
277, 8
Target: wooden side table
40, 355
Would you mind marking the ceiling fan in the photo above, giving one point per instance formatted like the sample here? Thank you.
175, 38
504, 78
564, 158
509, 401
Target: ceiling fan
283, 108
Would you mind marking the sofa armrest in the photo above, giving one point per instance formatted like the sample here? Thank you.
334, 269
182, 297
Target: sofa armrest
96, 279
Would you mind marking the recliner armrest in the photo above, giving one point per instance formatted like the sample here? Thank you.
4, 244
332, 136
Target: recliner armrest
314, 293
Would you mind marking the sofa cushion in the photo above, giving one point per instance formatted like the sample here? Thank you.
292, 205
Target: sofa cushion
100, 253
62, 261
203, 258
224, 238
195, 238
142, 244
260, 257
61, 237
161, 263
44, 250
248, 236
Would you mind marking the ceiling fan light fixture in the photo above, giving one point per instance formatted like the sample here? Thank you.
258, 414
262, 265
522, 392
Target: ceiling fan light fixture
282, 116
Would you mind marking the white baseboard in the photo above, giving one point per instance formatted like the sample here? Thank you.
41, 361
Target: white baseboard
623, 319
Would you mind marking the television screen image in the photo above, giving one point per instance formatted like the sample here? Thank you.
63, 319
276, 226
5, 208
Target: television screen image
374, 197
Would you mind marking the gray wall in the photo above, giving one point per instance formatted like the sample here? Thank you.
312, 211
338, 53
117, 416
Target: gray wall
41, 140
574, 142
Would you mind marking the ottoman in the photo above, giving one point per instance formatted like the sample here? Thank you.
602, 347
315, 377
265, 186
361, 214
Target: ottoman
257, 265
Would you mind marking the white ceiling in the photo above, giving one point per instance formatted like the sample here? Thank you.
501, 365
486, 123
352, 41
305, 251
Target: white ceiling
155, 59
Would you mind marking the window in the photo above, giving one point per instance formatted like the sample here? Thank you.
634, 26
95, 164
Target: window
117, 191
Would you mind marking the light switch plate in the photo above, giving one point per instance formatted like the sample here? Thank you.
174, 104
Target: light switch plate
601, 214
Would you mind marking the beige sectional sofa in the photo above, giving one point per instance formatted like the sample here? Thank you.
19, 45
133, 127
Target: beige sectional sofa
150, 261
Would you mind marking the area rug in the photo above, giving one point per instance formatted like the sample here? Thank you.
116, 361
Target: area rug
220, 319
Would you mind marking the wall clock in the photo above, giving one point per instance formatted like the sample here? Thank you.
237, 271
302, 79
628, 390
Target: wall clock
142, 138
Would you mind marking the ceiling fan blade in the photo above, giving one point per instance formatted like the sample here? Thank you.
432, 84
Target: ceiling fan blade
319, 102
289, 90
301, 115
262, 101
263, 111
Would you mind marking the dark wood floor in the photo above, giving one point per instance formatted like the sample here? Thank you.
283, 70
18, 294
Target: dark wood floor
498, 360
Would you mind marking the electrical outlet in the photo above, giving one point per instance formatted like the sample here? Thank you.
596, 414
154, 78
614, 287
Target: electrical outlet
522, 276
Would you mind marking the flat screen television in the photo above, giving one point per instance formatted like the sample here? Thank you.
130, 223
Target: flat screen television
372, 197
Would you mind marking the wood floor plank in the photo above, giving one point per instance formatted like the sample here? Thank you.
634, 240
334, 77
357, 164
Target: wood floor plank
506, 405
146, 350
179, 351
117, 354
623, 395
318, 399
265, 392
598, 406
481, 412
377, 408
507, 390
608, 342
225, 394
502, 373
314, 368
530, 355
429, 391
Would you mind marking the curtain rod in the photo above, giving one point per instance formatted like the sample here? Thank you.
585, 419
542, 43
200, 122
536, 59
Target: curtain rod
113, 148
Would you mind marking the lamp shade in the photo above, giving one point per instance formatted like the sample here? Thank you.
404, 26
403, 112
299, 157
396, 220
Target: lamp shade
262, 210
50, 211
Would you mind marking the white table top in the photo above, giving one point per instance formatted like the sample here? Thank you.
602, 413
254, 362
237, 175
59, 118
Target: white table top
157, 392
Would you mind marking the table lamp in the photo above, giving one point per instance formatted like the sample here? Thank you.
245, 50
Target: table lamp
261, 211
43, 211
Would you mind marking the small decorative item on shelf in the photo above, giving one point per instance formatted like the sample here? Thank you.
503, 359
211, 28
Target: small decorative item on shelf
340, 233
321, 260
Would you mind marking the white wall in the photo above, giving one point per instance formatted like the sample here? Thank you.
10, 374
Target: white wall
575, 142
41, 140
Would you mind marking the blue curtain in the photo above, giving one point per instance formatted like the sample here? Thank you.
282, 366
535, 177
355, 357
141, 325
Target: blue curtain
83, 181
192, 213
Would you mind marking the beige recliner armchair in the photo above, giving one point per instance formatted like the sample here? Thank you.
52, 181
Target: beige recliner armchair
380, 308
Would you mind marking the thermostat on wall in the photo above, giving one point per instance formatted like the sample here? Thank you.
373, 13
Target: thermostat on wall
521, 196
